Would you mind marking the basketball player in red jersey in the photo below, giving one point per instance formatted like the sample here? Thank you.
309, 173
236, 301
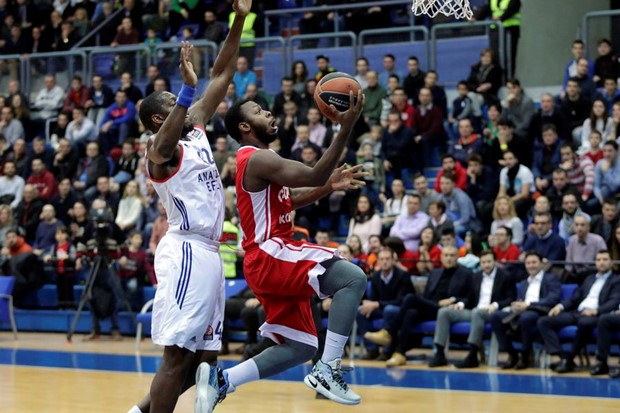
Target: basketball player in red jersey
284, 273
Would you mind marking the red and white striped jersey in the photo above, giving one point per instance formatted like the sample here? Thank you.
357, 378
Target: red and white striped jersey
265, 214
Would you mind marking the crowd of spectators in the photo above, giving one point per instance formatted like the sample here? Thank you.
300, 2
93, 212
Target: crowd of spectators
513, 177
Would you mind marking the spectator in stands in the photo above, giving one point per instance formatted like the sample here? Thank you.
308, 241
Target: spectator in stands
400, 103
490, 131
427, 195
582, 247
503, 247
357, 249
397, 150
216, 123
81, 129
560, 187
373, 99
595, 153
59, 128
100, 98
615, 116
14, 89
388, 287
27, 212
394, 206
91, 167
11, 185
46, 230
535, 295
389, 68
323, 67
428, 121
438, 93
153, 74
132, 91
438, 219
302, 139
505, 215
320, 135
102, 190
159, 229
599, 120
546, 158
485, 79
541, 205
606, 65
507, 12
39, 44
548, 244
414, 80
580, 171
364, 222
229, 171
243, 77
603, 224
607, 326
65, 41
66, 161
517, 182
518, 108
62, 255
361, 71
132, 268
548, 114
287, 93
19, 157
492, 289
10, 127
408, 227
583, 77
609, 93
463, 107
576, 108
244, 306
451, 166
80, 226
40, 150
570, 210
126, 35
428, 252
373, 166
445, 287
63, 201
77, 95
578, 50
22, 113
118, 122
17, 259
42, 180
459, 206
126, 165
607, 173
129, 208
211, 28
599, 294
467, 144
482, 186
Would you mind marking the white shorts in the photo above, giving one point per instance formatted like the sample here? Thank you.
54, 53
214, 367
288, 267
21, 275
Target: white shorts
188, 310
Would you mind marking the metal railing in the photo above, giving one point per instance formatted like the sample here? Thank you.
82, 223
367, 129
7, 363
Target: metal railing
140, 56
411, 30
591, 15
208, 52
70, 62
449, 26
95, 31
334, 35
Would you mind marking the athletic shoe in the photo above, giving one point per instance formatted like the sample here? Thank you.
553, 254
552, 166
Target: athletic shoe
211, 387
326, 378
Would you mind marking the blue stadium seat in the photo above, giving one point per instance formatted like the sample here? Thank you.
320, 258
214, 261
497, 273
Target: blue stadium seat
234, 287
6, 302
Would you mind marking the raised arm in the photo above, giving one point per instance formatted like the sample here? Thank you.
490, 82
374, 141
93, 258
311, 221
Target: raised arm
269, 166
167, 138
224, 67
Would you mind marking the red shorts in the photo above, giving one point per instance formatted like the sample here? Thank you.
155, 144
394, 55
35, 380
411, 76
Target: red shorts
284, 275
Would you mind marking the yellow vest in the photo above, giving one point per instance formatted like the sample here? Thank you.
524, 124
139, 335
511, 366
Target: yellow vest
248, 28
228, 249
497, 10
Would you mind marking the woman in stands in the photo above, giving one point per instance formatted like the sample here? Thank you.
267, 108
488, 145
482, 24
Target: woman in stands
485, 79
505, 215
364, 222
599, 120
429, 252
129, 208
6, 221
299, 74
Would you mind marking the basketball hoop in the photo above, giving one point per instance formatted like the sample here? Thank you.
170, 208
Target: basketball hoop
460, 9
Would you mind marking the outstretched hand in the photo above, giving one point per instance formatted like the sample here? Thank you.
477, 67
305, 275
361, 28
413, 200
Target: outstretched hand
186, 68
242, 7
356, 105
345, 177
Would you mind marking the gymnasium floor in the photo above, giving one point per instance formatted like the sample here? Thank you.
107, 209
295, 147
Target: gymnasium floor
42, 373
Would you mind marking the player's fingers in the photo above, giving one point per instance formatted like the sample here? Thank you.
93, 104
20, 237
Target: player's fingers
334, 110
356, 168
356, 183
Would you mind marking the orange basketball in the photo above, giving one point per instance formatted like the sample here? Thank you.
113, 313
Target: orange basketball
333, 89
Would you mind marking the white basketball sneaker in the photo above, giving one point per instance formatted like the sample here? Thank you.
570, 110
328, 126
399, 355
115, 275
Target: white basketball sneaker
211, 388
326, 378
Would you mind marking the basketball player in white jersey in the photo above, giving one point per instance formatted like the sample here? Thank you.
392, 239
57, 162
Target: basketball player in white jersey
189, 302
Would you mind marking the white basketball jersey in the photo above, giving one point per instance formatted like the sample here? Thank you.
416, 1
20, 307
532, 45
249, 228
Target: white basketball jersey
193, 195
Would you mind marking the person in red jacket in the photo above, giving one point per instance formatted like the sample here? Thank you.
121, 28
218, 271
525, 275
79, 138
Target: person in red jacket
504, 249
449, 164
428, 121
77, 95
43, 180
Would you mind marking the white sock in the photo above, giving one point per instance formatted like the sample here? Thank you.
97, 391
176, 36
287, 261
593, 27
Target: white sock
243, 373
135, 409
334, 345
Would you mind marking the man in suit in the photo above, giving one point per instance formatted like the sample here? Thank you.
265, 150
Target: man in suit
446, 286
388, 286
608, 325
599, 294
604, 223
491, 289
539, 291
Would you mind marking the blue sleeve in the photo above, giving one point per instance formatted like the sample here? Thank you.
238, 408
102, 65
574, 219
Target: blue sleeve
129, 116
598, 181
106, 117
566, 75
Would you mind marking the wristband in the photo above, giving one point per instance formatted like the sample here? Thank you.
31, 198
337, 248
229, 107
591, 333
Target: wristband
186, 96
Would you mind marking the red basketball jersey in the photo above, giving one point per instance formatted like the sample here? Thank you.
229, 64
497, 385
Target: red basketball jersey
265, 214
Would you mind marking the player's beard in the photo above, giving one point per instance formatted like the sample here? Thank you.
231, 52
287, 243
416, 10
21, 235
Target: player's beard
266, 136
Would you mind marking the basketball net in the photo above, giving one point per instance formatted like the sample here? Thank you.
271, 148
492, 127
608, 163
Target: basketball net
459, 9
